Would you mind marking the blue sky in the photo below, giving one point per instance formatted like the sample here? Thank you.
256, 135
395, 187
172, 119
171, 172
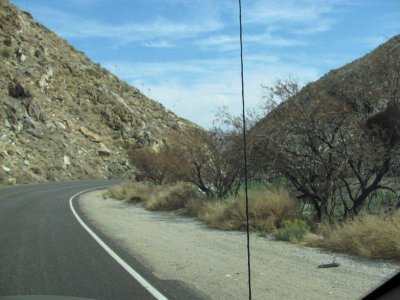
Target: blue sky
185, 53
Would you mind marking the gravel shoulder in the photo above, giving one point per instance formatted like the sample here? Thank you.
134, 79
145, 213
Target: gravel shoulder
214, 261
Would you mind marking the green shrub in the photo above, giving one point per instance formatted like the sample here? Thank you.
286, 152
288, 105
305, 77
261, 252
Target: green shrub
292, 231
6, 53
11, 181
93, 72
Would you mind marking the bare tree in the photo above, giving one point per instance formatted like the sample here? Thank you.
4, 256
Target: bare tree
160, 164
211, 162
327, 149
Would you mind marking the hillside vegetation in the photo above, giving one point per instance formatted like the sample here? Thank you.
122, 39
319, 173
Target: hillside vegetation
337, 140
324, 161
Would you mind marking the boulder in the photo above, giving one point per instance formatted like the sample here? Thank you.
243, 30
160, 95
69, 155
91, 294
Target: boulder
16, 90
103, 150
33, 108
67, 160
6, 169
90, 135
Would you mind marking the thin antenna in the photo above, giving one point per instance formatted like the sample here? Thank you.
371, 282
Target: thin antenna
245, 151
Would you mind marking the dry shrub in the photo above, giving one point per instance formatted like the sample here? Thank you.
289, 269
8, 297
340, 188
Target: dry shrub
195, 207
267, 210
171, 197
216, 215
274, 205
3, 176
11, 181
373, 236
155, 197
38, 170
139, 192
120, 192
312, 240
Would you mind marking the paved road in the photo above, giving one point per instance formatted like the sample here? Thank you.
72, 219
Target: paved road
45, 251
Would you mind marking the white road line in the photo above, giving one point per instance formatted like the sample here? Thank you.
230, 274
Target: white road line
152, 290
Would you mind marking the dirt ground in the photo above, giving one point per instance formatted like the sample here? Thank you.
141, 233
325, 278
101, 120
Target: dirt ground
214, 261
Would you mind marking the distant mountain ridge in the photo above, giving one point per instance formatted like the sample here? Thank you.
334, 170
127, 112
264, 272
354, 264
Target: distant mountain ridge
63, 116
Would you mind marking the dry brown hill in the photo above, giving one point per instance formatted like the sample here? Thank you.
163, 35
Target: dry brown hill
367, 84
63, 116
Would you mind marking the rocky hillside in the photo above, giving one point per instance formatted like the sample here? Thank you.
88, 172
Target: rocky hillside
63, 116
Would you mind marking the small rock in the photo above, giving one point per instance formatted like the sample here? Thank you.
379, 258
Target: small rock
22, 139
90, 134
34, 132
42, 82
17, 127
34, 109
49, 125
104, 150
26, 162
67, 160
6, 169
61, 125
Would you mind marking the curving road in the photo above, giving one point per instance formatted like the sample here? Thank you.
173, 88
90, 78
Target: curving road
45, 251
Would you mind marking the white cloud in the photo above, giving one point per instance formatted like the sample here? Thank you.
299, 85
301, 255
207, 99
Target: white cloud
273, 40
213, 83
262, 11
320, 26
158, 44
86, 2
225, 43
71, 26
308, 17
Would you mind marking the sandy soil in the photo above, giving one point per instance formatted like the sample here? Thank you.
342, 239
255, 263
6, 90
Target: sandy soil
214, 261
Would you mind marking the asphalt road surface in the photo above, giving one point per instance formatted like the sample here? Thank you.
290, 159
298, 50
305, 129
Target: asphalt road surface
45, 251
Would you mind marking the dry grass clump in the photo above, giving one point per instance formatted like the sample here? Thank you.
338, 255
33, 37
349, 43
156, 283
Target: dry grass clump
118, 191
373, 236
195, 207
267, 210
171, 197
155, 197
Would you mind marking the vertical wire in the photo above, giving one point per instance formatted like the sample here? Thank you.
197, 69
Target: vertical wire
245, 151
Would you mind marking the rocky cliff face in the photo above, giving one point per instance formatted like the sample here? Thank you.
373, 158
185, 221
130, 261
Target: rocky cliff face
63, 116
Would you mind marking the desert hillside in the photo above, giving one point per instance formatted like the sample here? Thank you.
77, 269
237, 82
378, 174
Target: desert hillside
367, 88
367, 83
63, 116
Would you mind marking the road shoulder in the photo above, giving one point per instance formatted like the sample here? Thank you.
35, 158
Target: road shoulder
181, 249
